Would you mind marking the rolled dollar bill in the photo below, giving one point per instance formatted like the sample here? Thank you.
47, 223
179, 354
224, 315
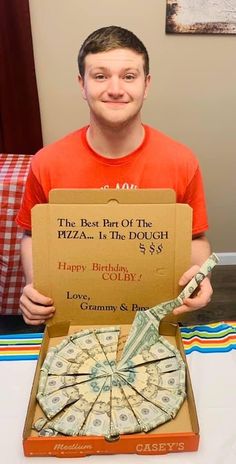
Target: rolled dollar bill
204, 270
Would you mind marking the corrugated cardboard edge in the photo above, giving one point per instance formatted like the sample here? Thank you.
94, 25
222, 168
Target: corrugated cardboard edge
41, 260
78, 196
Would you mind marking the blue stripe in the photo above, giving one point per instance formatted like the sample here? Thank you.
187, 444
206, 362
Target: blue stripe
210, 350
203, 328
27, 357
20, 336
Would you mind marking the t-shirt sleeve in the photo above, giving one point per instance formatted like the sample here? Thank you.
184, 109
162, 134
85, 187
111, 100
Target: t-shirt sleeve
33, 195
195, 197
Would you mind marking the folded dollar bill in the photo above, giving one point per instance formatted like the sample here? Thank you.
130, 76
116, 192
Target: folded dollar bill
84, 390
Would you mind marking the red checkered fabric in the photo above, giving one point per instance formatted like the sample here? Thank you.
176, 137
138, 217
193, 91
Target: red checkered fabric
13, 173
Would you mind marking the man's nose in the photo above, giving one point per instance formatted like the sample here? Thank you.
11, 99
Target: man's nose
115, 86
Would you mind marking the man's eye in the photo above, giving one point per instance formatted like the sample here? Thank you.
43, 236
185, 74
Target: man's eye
100, 77
129, 77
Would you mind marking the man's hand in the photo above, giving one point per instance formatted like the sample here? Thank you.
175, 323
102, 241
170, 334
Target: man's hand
201, 296
35, 308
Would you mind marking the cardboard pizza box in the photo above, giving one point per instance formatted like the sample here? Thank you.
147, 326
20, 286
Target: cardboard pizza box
103, 255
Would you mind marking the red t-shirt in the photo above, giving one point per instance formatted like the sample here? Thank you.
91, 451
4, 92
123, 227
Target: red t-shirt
159, 162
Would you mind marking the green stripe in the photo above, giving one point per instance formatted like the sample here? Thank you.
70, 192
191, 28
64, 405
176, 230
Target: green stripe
21, 342
202, 334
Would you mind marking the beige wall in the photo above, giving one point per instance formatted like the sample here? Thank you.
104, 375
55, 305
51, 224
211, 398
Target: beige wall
193, 95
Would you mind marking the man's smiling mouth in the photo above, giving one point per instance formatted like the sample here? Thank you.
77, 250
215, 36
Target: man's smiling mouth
115, 103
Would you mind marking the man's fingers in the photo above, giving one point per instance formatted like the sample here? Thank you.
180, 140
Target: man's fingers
191, 304
33, 322
37, 311
181, 310
199, 301
188, 275
36, 297
33, 318
35, 308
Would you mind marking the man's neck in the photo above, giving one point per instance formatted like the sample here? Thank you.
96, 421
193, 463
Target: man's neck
115, 142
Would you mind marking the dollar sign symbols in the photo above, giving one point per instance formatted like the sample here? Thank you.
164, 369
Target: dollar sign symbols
159, 248
152, 248
142, 248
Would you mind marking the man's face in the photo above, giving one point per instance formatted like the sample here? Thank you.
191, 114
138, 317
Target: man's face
114, 85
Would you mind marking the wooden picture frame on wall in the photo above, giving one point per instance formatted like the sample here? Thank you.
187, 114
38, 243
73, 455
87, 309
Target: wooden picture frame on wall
201, 16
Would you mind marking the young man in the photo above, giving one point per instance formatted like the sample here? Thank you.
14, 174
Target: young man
114, 151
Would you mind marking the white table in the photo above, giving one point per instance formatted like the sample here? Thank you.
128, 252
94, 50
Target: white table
214, 382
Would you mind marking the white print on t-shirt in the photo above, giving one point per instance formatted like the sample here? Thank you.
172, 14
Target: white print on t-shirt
124, 186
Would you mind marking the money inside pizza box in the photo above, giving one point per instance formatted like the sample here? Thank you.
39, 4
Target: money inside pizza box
106, 257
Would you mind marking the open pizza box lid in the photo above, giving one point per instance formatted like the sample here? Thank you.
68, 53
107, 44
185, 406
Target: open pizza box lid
102, 255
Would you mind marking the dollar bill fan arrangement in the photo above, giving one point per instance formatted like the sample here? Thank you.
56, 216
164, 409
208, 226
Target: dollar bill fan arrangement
84, 390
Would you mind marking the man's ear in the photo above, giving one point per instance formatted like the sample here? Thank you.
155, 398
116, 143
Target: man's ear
147, 84
81, 83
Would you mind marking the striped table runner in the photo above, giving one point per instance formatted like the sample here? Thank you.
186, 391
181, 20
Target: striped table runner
211, 338
20, 346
